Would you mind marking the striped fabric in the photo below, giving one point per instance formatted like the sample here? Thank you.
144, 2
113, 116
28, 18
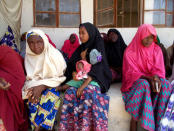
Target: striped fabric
146, 106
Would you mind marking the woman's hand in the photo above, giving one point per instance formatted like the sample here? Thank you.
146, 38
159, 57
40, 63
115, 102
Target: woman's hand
79, 92
83, 54
35, 92
152, 81
157, 83
85, 84
4, 84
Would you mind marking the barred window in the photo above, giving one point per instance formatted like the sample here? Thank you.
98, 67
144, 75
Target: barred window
116, 13
159, 12
57, 13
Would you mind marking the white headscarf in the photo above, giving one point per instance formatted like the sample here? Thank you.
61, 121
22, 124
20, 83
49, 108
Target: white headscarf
46, 68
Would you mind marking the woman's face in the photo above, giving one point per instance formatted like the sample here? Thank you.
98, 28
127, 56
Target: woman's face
72, 38
147, 41
84, 37
113, 37
36, 44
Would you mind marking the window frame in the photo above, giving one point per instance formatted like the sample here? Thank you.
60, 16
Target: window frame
115, 15
166, 12
101, 10
57, 13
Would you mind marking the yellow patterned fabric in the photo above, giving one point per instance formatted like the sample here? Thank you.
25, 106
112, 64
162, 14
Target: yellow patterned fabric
45, 111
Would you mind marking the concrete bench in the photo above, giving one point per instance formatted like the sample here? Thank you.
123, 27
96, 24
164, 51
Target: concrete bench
119, 119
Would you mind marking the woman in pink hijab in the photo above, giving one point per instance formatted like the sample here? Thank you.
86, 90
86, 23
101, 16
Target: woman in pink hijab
71, 45
144, 87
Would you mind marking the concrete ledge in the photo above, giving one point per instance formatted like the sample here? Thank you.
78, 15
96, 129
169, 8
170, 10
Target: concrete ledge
119, 119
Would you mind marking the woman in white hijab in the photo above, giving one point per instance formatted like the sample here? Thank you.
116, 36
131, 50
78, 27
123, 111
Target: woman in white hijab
45, 67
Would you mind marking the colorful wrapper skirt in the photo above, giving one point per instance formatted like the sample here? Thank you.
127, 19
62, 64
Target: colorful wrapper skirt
43, 113
167, 122
146, 106
89, 112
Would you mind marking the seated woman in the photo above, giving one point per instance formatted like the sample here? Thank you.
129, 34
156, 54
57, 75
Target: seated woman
168, 69
71, 45
45, 68
171, 78
170, 52
86, 107
144, 87
12, 78
105, 37
114, 52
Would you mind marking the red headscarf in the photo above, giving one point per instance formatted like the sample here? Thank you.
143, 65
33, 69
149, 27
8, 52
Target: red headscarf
12, 111
139, 60
69, 48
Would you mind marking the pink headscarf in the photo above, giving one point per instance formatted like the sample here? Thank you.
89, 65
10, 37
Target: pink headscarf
69, 48
86, 68
139, 60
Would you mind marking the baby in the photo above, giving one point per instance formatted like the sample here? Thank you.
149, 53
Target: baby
82, 68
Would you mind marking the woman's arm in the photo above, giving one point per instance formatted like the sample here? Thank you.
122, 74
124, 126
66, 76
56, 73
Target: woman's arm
85, 84
62, 88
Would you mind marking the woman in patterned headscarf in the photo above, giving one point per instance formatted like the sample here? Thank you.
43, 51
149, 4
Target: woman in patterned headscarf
45, 67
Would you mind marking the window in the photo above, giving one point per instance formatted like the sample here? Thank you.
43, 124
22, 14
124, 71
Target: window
57, 13
116, 13
159, 12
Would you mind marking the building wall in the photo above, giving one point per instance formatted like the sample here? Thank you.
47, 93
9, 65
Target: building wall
58, 35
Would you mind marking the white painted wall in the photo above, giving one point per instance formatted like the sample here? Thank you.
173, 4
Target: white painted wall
58, 35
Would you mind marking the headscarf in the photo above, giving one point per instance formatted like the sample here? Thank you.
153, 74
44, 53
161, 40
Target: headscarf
140, 60
44, 69
115, 51
69, 47
11, 103
100, 72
